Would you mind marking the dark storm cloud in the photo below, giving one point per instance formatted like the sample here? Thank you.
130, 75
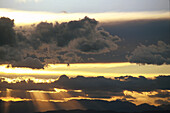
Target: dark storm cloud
29, 63
152, 54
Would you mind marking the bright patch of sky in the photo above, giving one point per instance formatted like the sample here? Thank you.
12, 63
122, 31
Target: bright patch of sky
90, 6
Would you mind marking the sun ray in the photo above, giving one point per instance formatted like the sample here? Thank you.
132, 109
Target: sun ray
41, 106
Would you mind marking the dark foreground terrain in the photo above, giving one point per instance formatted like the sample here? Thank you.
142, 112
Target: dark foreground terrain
93, 111
90, 106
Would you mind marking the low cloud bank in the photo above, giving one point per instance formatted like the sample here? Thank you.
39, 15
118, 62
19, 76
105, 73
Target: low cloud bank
99, 87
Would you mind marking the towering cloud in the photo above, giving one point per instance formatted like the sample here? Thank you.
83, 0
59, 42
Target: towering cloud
67, 42
51, 43
9, 51
81, 35
7, 33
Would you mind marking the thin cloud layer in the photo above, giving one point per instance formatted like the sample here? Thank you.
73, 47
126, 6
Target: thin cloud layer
152, 54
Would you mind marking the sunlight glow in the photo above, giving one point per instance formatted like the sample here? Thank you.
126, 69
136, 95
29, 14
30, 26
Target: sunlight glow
44, 100
27, 79
108, 70
7, 104
30, 17
41, 106
143, 97
13, 99
59, 90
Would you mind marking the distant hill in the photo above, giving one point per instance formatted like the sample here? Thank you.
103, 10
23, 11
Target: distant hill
90, 106
93, 111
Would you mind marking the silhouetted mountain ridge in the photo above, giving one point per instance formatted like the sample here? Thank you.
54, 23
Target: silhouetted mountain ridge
95, 111
88, 106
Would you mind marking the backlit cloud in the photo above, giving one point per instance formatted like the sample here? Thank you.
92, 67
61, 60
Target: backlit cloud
152, 54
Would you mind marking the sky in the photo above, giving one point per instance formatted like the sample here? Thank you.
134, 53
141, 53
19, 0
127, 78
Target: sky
78, 6
33, 11
63, 54
108, 70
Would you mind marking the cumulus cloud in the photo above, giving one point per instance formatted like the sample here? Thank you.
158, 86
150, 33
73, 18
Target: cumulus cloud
9, 51
152, 54
93, 46
82, 36
7, 33
52, 43
71, 57
9, 54
30, 63
69, 41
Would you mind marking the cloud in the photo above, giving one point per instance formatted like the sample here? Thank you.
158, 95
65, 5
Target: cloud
93, 46
70, 40
100, 86
9, 50
162, 102
116, 85
71, 57
77, 41
81, 36
152, 54
161, 94
7, 33
9, 54
30, 63
37, 16
51, 43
